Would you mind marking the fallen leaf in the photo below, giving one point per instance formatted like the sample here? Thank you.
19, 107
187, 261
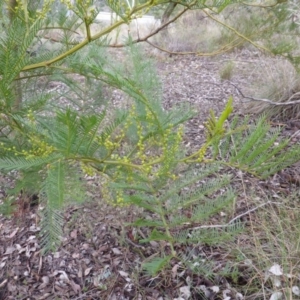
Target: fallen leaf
11, 287
76, 287
276, 270
204, 289
3, 283
73, 234
85, 246
46, 281
276, 296
13, 233
79, 274
185, 292
296, 290
63, 276
75, 255
9, 250
215, 289
123, 274
116, 251
45, 296
87, 271
276, 281
174, 271
3, 263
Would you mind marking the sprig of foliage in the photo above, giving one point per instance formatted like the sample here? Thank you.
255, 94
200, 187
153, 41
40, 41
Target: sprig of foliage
258, 149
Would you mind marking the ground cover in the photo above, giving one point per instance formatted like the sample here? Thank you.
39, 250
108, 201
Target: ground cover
101, 258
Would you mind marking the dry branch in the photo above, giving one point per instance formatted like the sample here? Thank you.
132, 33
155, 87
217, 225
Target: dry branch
288, 102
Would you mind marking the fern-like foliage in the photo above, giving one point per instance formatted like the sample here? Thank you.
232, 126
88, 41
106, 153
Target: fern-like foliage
64, 126
55, 190
179, 207
258, 149
66, 141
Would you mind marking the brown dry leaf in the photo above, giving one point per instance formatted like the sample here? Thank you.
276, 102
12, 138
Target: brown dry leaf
73, 234
13, 233
123, 274
85, 246
87, 271
75, 255
20, 248
59, 288
9, 250
116, 251
174, 271
45, 296
63, 276
3, 283
117, 261
76, 287
79, 274
11, 287
154, 244
2, 264
45, 280
103, 248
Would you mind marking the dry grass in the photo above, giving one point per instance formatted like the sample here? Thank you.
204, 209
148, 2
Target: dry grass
276, 80
194, 32
226, 71
120, 34
268, 251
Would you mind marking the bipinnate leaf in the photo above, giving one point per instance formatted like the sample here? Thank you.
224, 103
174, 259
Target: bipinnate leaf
157, 236
155, 265
21, 163
150, 223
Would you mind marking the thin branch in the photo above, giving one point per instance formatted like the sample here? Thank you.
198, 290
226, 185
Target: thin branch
236, 218
236, 32
87, 40
145, 39
288, 102
250, 211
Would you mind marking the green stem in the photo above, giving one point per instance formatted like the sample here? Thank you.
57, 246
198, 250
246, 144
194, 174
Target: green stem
107, 162
167, 230
237, 33
88, 39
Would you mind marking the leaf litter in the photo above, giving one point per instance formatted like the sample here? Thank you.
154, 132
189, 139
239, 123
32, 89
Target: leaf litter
99, 257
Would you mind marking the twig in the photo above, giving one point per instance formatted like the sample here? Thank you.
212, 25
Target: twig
235, 218
295, 134
288, 102
145, 39
250, 211
237, 32
224, 48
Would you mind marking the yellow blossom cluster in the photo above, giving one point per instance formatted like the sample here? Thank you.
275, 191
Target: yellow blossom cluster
87, 169
202, 152
107, 195
39, 148
171, 143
